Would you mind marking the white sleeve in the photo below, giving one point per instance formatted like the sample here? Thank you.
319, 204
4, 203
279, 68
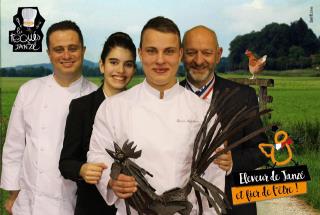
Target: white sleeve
14, 146
102, 137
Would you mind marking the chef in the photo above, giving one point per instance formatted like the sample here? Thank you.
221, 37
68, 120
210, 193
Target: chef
160, 116
35, 131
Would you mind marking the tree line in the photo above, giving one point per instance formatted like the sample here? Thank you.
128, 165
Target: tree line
287, 46
40, 71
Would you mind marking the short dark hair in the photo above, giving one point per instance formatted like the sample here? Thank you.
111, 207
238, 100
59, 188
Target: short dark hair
161, 24
62, 26
118, 39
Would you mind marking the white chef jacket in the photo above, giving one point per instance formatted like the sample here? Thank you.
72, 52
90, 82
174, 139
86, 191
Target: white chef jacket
32, 148
164, 129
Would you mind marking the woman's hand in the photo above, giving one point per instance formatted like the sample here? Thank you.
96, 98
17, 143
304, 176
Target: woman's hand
91, 172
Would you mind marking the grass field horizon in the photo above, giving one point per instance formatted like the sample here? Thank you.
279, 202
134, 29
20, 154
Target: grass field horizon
286, 92
296, 99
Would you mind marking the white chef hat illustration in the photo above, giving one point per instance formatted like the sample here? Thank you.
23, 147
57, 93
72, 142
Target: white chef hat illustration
29, 15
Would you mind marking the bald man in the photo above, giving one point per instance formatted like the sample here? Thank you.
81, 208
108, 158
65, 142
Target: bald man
201, 55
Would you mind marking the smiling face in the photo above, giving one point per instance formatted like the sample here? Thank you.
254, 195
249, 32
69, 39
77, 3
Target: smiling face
160, 54
118, 69
66, 53
201, 55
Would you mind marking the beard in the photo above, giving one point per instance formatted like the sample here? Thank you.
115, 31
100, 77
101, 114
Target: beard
200, 73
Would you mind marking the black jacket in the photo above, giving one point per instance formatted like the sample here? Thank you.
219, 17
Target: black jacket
246, 156
82, 112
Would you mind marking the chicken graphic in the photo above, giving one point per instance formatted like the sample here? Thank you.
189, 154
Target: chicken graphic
255, 65
281, 140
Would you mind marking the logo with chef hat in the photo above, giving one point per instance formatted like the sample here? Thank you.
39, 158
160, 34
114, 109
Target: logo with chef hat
27, 36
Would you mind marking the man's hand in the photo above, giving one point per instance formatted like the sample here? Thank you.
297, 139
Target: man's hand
224, 161
10, 201
91, 172
124, 186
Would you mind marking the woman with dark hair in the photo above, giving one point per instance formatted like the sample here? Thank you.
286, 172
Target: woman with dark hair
117, 64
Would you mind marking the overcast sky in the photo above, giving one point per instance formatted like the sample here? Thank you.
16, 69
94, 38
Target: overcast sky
99, 18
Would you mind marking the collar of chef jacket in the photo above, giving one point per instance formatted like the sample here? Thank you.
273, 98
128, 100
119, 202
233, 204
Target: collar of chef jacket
168, 94
77, 86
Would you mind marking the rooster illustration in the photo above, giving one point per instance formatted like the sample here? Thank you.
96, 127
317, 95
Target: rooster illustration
281, 140
255, 65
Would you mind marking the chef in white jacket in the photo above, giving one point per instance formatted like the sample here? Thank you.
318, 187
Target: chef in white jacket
160, 116
36, 130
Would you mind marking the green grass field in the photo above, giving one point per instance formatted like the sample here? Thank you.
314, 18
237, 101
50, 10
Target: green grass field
295, 99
